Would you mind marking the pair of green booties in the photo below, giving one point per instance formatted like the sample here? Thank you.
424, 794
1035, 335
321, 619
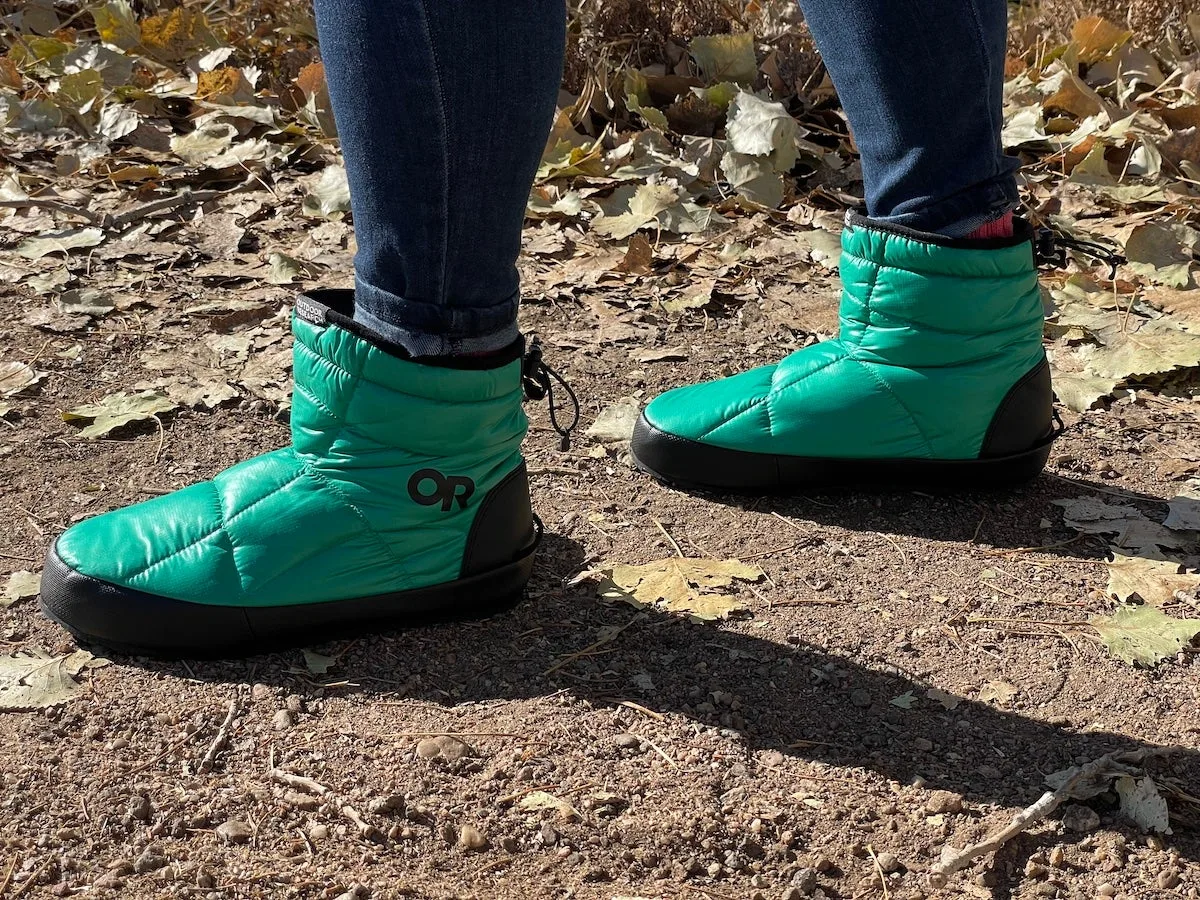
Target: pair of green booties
404, 497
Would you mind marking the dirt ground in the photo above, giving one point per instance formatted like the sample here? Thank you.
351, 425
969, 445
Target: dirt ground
759, 757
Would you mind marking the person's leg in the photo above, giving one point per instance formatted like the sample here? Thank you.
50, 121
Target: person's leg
937, 377
403, 493
442, 108
922, 82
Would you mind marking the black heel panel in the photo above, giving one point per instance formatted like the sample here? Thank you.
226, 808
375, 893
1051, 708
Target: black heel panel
1025, 418
503, 528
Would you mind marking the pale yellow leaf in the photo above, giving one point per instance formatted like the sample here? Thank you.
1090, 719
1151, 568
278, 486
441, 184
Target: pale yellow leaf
725, 57
1154, 580
539, 800
21, 585
681, 585
999, 692
1144, 635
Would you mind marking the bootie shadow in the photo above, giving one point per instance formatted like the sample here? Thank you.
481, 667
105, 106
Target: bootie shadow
800, 699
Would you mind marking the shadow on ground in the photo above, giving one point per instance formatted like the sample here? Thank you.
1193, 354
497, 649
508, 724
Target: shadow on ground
793, 698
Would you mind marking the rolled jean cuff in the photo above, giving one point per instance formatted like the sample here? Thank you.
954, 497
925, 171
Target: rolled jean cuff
958, 215
428, 329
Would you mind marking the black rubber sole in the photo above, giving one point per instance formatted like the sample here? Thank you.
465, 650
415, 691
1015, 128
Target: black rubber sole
137, 623
691, 465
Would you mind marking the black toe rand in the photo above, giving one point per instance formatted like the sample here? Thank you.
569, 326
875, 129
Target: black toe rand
684, 463
97, 612
132, 621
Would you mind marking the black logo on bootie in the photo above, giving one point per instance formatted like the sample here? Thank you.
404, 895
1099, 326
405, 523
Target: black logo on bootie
446, 489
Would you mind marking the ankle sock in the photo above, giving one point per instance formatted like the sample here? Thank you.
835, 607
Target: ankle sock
997, 228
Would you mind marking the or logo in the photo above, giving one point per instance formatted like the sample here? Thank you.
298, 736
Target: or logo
446, 489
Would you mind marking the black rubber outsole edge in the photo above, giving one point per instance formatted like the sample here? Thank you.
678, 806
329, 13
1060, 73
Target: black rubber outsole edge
693, 466
129, 621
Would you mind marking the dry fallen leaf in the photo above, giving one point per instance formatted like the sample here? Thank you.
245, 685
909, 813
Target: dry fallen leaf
1155, 581
60, 242
330, 196
667, 354
20, 586
680, 585
1184, 510
1133, 530
538, 800
116, 410
616, 421
1162, 253
36, 680
725, 57
1144, 635
948, 701
1142, 804
999, 692
17, 376
316, 663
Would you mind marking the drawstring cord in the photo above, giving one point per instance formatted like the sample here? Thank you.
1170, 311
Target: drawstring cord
537, 378
1050, 249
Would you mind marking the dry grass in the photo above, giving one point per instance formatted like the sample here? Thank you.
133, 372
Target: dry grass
638, 32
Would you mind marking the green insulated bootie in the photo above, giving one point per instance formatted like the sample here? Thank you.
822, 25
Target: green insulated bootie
936, 380
402, 497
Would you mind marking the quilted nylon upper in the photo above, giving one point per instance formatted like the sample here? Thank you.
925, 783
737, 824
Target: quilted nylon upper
931, 338
331, 516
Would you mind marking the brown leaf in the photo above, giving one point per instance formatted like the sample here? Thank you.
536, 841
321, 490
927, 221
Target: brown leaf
311, 78
1075, 97
1181, 117
1182, 145
1183, 304
10, 75
223, 82
639, 256
1095, 37
175, 35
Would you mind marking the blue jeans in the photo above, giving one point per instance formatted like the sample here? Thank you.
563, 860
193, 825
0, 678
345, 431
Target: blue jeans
443, 107
922, 83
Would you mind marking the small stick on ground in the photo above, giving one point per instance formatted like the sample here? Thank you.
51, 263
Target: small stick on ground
954, 860
879, 871
667, 535
32, 879
299, 782
8, 875
659, 750
590, 648
708, 892
637, 707
53, 206
222, 737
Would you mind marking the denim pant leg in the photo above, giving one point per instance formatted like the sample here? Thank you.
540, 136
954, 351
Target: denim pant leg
921, 82
443, 108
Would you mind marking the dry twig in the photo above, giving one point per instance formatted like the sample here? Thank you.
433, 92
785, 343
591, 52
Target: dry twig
954, 860
299, 782
32, 879
222, 737
879, 871
8, 875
